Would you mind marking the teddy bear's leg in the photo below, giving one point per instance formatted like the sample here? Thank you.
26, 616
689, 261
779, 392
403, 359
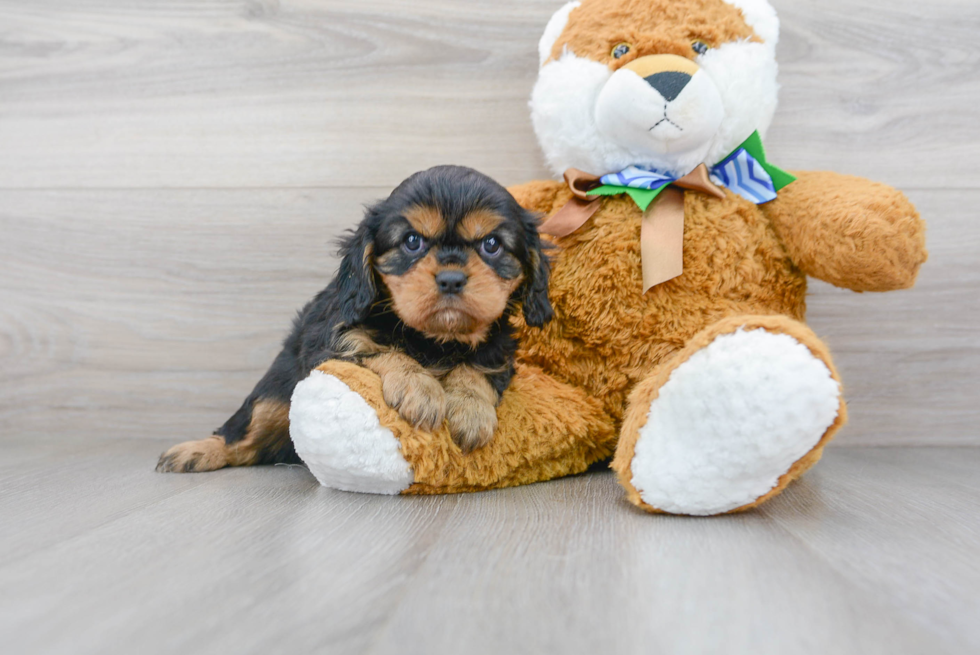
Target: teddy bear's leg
351, 440
744, 409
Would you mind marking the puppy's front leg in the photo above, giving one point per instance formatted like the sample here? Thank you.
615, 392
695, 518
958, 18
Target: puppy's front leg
471, 407
408, 387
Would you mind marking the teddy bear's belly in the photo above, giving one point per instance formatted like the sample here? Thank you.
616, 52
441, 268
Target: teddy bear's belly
607, 333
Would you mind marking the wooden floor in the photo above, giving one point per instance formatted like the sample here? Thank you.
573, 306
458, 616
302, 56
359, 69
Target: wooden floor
172, 177
875, 551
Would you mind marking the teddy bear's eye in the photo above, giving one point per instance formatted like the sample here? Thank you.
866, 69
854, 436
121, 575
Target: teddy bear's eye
620, 50
700, 47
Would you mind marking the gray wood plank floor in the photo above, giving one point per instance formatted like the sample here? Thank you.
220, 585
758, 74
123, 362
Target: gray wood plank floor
875, 551
172, 176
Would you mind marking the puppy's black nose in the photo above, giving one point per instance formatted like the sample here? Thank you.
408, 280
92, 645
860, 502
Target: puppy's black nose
669, 83
451, 282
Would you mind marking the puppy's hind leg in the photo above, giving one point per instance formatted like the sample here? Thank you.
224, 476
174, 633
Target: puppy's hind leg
195, 456
258, 433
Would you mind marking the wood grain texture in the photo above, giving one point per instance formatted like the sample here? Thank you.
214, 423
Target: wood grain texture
251, 560
152, 313
259, 93
172, 176
917, 556
910, 360
875, 551
132, 314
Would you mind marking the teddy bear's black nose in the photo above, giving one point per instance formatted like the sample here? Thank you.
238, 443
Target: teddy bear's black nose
668, 83
451, 282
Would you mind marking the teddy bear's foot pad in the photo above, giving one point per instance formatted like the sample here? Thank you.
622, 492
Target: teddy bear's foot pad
730, 421
339, 437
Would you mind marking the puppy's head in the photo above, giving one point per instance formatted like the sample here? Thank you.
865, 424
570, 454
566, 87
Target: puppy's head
453, 251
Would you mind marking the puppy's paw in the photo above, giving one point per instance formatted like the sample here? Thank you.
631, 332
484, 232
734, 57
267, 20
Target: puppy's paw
472, 421
195, 456
418, 397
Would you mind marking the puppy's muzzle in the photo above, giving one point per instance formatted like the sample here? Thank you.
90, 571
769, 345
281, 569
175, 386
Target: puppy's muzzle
668, 74
451, 283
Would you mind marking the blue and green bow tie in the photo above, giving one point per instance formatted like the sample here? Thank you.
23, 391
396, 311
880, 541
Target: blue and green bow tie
745, 172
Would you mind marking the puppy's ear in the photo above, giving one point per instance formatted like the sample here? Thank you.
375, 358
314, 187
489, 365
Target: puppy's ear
356, 286
536, 305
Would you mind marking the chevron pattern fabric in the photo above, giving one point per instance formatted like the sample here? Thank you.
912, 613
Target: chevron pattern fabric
739, 172
637, 178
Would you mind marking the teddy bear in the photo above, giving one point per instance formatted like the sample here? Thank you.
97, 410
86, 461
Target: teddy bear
679, 271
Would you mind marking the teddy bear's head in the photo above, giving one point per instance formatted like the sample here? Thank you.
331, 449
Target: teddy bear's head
663, 84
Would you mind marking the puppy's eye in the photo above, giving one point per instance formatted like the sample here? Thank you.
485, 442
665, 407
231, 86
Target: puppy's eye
621, 50
413, 242
490, 246
700, 47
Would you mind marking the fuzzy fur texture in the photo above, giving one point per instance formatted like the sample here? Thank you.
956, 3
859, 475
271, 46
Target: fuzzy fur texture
588, 384
547, 430
553, 30
592, 113
850, 232
730, 420
647, 393
426, 284
591, 374
608, 334
761, 17
339, 437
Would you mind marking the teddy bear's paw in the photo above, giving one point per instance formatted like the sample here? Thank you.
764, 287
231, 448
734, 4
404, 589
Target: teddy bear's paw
339, 437
730, 421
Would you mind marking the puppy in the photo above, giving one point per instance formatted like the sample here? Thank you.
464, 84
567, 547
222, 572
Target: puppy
423, 297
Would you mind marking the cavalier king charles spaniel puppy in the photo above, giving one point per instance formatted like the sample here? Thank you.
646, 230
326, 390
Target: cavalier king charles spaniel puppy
423, 297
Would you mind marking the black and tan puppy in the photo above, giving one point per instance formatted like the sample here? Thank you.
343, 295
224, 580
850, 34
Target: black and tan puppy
423, 297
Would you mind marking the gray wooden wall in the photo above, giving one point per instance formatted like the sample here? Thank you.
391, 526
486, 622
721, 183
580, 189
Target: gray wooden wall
173, 174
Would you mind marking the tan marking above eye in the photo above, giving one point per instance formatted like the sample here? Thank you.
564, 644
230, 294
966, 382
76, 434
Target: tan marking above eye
478, 224
427, 221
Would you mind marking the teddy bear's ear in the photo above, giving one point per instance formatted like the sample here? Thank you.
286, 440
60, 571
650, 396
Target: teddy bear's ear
761, 17
554, 29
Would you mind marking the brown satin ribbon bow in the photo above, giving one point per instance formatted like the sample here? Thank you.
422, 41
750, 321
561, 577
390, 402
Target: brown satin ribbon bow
662, 230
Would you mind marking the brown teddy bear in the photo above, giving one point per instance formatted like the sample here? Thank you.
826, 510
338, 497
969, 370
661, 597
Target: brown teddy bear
678, 280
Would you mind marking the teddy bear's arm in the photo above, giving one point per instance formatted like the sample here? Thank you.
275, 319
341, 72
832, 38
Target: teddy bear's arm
849, 231
539, 196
